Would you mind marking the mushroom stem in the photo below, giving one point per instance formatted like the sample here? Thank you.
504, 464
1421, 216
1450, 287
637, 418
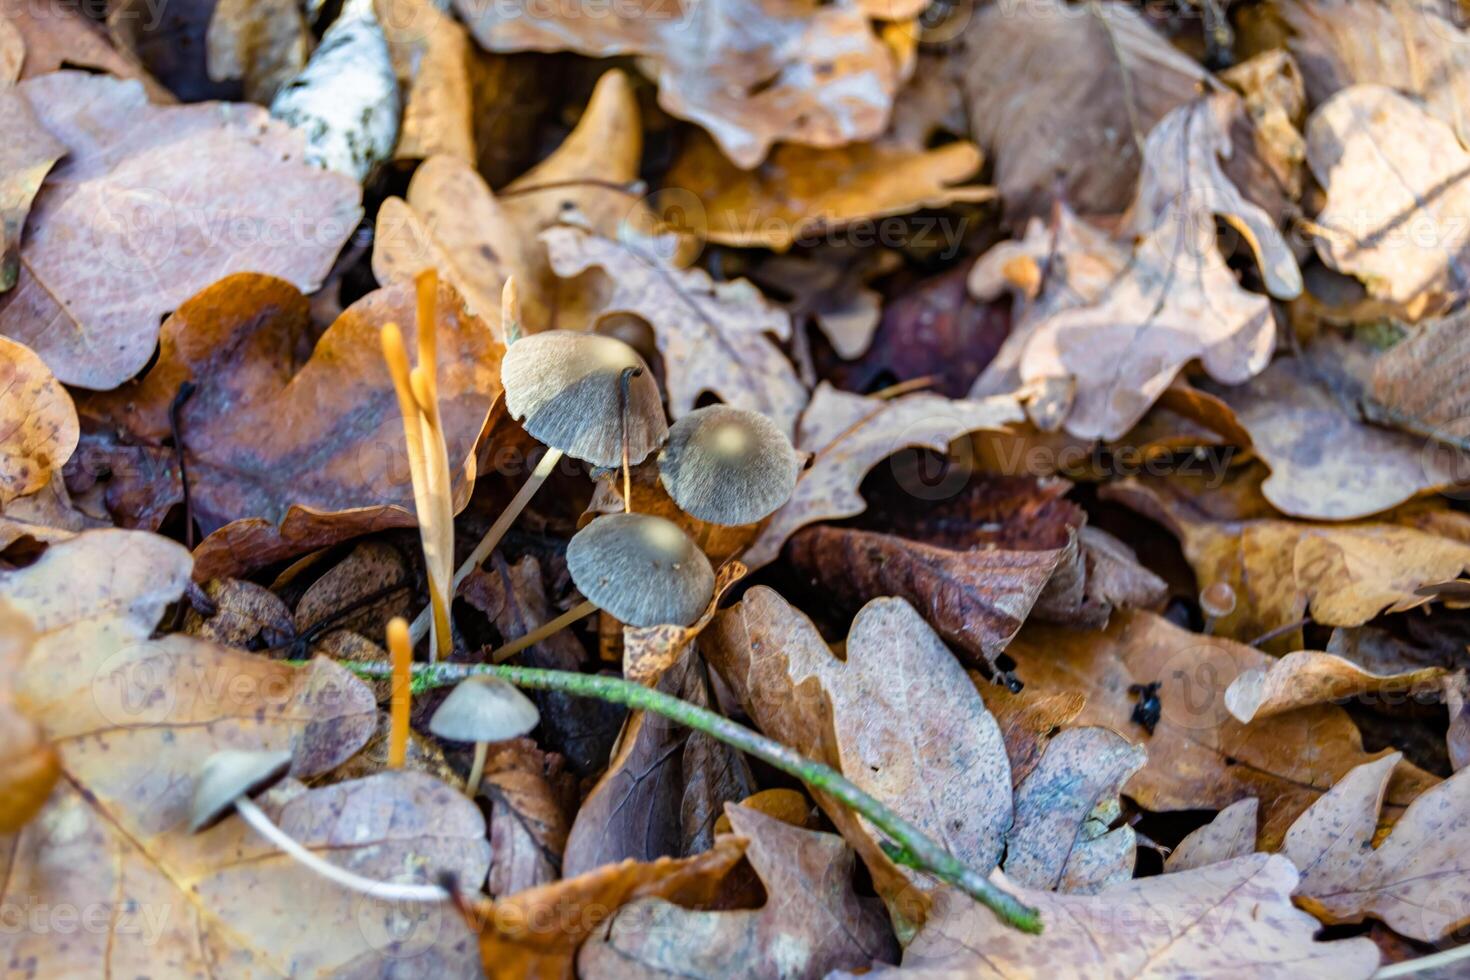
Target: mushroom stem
548, 628
916, 847
385, 890
477, 769
497, 531
401, 648
628, 375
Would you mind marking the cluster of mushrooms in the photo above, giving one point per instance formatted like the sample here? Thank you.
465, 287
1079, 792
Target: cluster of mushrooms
591, 397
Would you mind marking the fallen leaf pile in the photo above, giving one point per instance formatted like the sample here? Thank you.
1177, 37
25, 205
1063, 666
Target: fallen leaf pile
1101, 368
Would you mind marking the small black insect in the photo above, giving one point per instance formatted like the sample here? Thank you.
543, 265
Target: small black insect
1146, 712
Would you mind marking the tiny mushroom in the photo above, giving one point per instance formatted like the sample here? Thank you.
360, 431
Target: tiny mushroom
227, 781
728, 465
583, 395
1216, 602
641, 569
483, 710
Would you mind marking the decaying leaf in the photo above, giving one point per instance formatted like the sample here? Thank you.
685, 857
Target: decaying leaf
264, 443
528, 826
802, 192
1308, 677
56, 34
38, 423
1028, 721
764, 71
898, 717
1415, 385
811, 923
1062, 838
1226, 920
27, 156
648, 651
714, 337
1396, 197
1415, 880
241, 614
431, 57
133, 720
849, 434
1199, 756
1231, 834
262, 44
1063, 96
165, 201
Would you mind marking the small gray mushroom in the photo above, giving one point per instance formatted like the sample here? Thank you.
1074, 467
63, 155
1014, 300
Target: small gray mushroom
641, 569
728, 465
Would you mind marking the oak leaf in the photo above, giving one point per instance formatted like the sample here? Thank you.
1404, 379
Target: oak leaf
56, 35
764, 71
1396, 197
848, 435
1199, 755
1226, 920
714, 337
1414, 385
1231, 834
1414, 880
39, 430
1309, 677
812, 921
163, 201
285, 451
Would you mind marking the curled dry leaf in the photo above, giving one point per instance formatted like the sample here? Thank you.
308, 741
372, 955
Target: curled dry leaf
849, 434
763, 71
1063, 96
431, 57
277, 441
714, 337
898, 717
812, 921
648, 651
528, 825
1308, 677
802, 191
1275, 101
1199, 755
1396, 196
159, 198
534, 934
1416, 880
134, 719
1417, 48
240, 614
27, 156
1326, 463
1281, 571
39, 429
1062, 838
1231, 834
1227, 920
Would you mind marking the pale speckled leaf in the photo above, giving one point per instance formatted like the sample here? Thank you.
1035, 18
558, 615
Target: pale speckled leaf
648, 651
1231, 834
26, 156
38, 423
1309, 677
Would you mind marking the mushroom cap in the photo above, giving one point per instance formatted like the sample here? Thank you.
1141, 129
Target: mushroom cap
484, 709
1217, 600
728, 465
566, 389
642, 569
230, 774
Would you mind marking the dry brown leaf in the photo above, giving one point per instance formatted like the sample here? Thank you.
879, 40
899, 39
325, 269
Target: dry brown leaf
57, 34
802, 192
647, 805
30, 766
1063, 97
831, 292
1062, 838
360, 593
272, 435
812, 921
1230, 835
528, 825
1275, 101
1415, 385
648, 651
848, 435
39, 430
1199, 755
243, 615
264, 44
1415, 880
976, 563
534, 934
1396, 197
714, 336
134, 719
431, 57
164, 201
1280, 570
1326, 463
26, 157
762, 71
898, 717
1028, 721
1308, 677
1410, 45
1224, 921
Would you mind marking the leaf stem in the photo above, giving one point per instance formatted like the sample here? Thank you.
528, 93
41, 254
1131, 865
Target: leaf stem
914, 843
